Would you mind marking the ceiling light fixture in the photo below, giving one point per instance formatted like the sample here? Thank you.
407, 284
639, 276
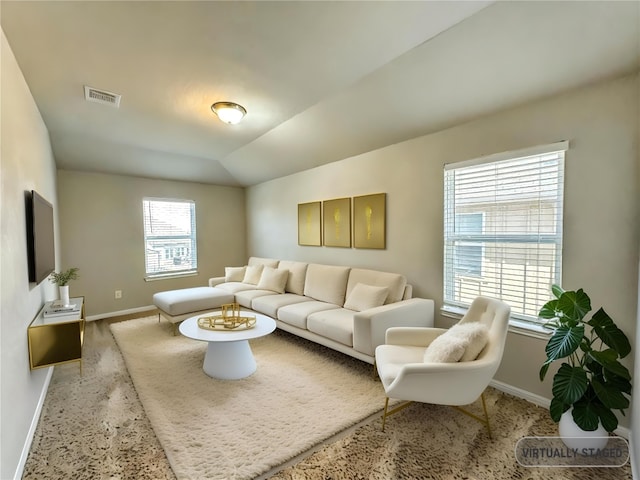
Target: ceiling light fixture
229, 112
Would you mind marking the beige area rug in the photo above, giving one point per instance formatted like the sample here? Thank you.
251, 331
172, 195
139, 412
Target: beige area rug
299, 396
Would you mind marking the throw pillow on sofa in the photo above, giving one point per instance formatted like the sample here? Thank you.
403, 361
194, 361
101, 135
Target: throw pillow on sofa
273, 279
234, 274
462, 342
364, 297
252, 274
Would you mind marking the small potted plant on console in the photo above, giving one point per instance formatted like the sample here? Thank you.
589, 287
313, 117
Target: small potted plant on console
62, 279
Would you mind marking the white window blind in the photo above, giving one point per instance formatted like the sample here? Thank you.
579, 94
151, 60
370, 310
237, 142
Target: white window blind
169, 237
503, 229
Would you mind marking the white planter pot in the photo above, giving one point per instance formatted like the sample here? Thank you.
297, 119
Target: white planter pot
574, 437
64, 294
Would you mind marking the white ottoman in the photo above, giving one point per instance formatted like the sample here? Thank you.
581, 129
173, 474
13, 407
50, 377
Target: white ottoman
177, 305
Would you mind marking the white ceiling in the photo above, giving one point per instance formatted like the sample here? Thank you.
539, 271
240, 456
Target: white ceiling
321, 81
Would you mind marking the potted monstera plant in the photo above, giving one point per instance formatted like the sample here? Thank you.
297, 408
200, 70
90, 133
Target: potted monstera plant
591, 382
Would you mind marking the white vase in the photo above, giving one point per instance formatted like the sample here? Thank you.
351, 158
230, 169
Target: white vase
574, 437
64, 294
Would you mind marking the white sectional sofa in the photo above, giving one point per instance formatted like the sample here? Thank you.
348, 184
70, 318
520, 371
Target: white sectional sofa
346, 309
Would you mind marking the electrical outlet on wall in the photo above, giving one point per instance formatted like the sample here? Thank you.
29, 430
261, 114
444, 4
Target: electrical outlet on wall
118, 293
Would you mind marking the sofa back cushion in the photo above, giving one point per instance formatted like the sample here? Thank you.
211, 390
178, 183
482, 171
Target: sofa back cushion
252, 274
267, 262
273, 279
326, 283
393, 281
234, 274
297, 274
363, 297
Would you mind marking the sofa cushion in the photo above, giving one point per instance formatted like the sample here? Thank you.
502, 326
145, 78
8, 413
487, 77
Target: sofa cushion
234, 274
335, 324
270, 304
297, 313
265, 262
235, 287
297, 274
246, 297
186, 300
393, 281
273, 279
252, 274
326, 283
364, 297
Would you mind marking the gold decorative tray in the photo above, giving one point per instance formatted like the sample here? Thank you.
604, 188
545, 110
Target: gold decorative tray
228, 319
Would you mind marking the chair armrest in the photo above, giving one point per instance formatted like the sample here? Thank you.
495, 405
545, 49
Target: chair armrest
216, 281
459, 383
370, 326
415, 336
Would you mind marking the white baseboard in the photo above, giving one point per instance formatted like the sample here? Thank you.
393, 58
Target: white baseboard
32, 428
120, 312
541, 401
520, 393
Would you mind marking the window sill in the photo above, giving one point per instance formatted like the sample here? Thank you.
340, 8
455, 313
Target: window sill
166, 276
516, 326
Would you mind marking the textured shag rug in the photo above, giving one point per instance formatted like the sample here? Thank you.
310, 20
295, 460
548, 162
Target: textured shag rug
220, 429
92, 425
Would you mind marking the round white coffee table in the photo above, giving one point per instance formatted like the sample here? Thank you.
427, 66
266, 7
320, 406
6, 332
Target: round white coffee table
228, 356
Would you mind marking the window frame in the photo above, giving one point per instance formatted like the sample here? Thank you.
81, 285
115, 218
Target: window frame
191, 238
525, 323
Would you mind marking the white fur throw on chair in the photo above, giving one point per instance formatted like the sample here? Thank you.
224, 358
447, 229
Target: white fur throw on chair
462, 342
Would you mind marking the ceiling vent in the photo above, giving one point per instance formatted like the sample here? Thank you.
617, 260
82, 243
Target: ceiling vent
101, 96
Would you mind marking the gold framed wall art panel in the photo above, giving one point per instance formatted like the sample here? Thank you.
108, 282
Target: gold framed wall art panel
337, 222
369, 221
309, 228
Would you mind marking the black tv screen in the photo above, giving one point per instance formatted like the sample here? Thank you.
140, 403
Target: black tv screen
40, 238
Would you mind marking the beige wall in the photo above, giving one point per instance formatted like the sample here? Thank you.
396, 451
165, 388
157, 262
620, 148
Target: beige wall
601, 204
26, 164
102, 235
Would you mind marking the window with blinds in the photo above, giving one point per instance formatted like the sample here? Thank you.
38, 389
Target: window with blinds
169, 237
503, 229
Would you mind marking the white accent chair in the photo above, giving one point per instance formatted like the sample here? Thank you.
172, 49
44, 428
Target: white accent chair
405, 376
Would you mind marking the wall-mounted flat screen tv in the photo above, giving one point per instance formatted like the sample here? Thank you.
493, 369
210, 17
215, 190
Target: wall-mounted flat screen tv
40, 238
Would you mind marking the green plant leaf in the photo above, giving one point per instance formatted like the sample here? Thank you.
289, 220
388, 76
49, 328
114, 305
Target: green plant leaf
574, 305
607, 417
548, 310
569, 384
608, 359
620, 383
543, 370
609, 333
564, 341
585, 414
557, 290
609, 395
556, 409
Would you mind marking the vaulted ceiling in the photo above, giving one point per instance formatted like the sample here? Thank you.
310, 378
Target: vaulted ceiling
321, 81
